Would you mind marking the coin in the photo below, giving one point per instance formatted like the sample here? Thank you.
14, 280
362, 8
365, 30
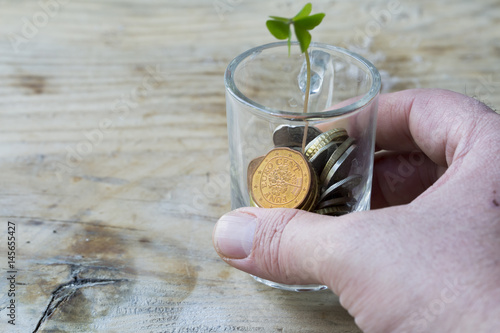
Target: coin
319, 159
340, 159
313, 195
252, 203
282, 179
251, 169
342, 167
323, 139
333, 202
292, 136
341, 187
287, 177
334, 210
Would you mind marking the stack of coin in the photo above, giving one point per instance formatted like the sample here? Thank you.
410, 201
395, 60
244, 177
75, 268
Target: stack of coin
283, 178
317, 179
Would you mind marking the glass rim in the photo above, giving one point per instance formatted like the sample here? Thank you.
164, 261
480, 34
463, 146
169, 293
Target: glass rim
360, 103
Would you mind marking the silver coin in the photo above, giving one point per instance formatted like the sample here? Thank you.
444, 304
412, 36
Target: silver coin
340, 168
318, 160
334, 210
333, 202
292, 136
341, 188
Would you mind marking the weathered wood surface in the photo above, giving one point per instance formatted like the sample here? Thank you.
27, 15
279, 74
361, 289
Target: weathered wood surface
113, 151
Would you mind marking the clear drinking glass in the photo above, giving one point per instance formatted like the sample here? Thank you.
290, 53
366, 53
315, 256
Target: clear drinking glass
265, 89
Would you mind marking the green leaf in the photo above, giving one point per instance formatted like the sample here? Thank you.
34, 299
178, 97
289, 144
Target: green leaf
304, 12
310, 22
302, 22
279, 29
282, 19
304, 38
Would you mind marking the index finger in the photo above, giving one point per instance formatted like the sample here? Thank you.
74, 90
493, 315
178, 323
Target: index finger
433, 121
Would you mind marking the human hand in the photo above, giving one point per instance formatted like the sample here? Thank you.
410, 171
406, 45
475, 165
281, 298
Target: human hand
427, 258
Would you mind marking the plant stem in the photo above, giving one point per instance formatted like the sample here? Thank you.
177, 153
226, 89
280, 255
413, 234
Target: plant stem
306, 98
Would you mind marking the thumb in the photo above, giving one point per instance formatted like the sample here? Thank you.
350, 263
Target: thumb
359, 256
284, 245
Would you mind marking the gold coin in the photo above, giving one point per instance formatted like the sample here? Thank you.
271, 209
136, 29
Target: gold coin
322, 140
313, 195
282, 179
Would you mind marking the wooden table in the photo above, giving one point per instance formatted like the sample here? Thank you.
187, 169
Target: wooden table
114, 153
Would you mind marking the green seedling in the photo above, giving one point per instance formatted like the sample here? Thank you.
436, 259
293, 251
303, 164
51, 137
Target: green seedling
280, 27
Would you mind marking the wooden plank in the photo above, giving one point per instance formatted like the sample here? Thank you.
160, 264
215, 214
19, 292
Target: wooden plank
113, 151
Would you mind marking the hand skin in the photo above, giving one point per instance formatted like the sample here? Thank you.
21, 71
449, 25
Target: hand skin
426, 258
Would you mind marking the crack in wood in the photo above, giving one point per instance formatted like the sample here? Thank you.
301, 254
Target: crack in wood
65, 291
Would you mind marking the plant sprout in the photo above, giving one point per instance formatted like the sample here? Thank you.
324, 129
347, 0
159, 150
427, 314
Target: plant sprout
302, 23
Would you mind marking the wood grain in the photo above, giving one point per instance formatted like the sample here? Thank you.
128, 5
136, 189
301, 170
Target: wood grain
113, 150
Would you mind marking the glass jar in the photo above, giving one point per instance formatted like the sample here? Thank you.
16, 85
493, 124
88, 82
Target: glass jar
265, 93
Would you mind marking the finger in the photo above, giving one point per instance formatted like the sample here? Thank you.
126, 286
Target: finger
398, 178
436, 122
291, 246
356, 255
265, 243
